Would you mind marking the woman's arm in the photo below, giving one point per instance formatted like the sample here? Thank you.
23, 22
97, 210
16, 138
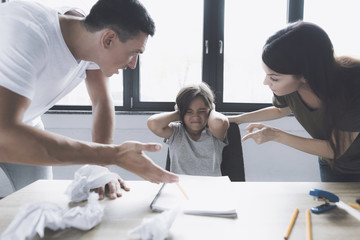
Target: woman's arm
160, 125
262, 133
265, 114
218, 124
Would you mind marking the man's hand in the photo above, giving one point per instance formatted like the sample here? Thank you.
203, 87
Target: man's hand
112, 189
132, 158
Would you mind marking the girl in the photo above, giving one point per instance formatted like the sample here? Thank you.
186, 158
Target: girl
195, 132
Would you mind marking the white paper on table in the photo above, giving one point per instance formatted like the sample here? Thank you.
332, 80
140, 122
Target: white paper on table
207, 196
32, 219
86, 178
353, 212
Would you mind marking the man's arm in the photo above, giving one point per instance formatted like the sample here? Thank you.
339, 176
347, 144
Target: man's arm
103, 123
23, 144
28, 145
102, 107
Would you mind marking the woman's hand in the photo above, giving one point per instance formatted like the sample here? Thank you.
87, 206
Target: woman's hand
260, 133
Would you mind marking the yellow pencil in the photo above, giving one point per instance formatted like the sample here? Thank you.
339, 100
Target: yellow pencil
296, 212
356, 206
308, 225
182, 190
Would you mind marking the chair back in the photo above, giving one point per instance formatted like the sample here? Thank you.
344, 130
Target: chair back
232, 164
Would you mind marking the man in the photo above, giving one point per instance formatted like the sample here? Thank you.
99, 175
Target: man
44, 55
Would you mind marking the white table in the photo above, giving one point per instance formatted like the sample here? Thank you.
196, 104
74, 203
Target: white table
264, 212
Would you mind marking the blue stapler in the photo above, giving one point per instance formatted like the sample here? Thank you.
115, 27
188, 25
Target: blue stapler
327, 197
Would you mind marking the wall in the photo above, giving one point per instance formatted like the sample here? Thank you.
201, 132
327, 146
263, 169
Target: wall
266, 162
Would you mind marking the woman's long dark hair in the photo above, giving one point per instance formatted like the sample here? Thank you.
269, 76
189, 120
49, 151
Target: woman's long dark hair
304, 49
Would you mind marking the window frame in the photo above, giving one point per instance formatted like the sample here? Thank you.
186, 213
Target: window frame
213, 61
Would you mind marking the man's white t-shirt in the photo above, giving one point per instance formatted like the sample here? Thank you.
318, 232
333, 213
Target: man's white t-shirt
35, 62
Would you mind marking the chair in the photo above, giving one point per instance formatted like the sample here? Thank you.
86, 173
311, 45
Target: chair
232, 164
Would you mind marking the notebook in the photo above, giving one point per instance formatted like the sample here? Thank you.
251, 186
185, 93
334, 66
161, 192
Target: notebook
205, 196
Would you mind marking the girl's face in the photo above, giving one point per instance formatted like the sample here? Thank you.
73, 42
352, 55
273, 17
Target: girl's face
196, 117
282, 84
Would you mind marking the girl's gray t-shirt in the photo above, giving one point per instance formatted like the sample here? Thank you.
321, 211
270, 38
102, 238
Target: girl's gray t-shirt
187, 156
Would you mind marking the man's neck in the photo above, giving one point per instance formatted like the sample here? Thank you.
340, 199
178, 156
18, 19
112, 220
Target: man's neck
77, 38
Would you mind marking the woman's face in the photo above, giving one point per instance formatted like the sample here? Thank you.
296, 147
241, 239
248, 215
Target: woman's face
282, 84
197, 115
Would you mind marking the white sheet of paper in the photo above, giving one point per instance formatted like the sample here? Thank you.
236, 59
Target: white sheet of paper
352, 211
207, 196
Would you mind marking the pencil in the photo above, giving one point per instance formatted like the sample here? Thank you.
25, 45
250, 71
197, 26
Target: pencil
293, 219
356, 206
308, 225
182, 190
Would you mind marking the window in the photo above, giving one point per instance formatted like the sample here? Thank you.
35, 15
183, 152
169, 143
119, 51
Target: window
173, 57
340, 20
246, 28
222, 47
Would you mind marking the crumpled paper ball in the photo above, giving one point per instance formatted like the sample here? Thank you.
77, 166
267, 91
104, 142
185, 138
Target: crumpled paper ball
156, 228
32, 219
86, 178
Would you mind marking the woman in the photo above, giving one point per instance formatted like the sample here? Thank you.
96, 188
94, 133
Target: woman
321, 90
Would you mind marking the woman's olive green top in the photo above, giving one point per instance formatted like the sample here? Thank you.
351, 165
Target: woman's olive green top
313, 123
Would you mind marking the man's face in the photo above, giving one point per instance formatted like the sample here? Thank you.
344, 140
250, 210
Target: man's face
119, 55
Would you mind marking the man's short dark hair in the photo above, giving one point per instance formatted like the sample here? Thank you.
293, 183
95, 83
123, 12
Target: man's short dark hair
126, 17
